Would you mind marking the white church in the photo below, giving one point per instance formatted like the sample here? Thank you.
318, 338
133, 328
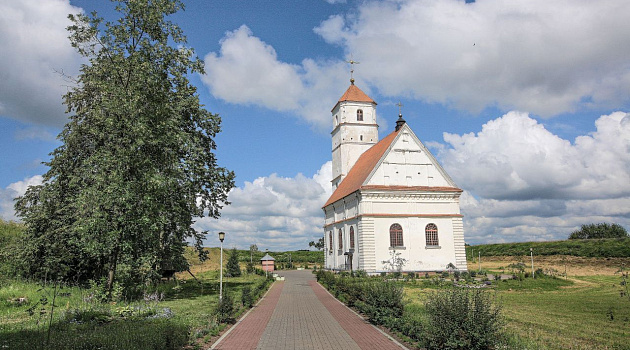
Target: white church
391, 198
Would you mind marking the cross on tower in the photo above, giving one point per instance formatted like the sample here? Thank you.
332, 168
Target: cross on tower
399, 107
352, 63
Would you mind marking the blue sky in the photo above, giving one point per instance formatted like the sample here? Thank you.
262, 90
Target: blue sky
523, 102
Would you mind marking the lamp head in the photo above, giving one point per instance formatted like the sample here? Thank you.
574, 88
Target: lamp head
221, 236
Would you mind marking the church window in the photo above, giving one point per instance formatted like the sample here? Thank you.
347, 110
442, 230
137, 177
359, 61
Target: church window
361, 137
351, 237
330, 240
396, 236
340, 240
359, 115
431, 233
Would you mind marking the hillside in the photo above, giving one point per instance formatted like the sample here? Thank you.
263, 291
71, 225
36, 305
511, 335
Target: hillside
590, 248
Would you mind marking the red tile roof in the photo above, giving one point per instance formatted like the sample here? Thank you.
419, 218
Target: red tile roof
354, 94
361, 169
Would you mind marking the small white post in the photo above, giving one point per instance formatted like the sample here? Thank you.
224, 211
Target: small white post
480, 260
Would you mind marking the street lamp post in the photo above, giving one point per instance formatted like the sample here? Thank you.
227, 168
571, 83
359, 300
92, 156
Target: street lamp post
221, 238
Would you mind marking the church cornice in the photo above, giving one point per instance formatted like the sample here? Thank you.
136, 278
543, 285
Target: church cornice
412, 196
351, 124
377, 215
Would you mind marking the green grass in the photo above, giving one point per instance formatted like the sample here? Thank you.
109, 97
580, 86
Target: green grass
604, 248
79, 323
582, 313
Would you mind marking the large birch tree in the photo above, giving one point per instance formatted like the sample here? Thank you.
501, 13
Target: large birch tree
137, 162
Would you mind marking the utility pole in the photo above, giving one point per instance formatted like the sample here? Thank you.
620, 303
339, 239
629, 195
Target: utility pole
531, 252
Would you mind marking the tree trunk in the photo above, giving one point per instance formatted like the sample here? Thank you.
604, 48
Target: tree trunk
112, 273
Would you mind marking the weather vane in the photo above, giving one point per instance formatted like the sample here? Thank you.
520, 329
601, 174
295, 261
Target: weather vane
399, 107
352, 63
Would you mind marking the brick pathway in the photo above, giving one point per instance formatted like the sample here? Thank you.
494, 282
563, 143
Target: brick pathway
300, 314
246, 334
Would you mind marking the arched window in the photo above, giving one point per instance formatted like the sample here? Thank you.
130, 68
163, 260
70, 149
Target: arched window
359, 115
396, 236
340, 240
431, 233
330, 242
351, 237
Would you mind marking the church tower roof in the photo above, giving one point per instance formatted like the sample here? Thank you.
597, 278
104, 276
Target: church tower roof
354, 94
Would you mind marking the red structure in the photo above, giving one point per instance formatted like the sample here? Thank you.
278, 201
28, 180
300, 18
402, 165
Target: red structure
268, 263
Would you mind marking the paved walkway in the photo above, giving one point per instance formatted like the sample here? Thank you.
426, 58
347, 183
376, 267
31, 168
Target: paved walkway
300, 314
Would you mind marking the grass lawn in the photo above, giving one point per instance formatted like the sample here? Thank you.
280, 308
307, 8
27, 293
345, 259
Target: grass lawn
582, 312
183, 318
587, 315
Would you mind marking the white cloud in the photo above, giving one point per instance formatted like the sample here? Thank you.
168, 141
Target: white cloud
247, 71
16, 189
524, 183
515, 157
35, 44
274, 212
535, 55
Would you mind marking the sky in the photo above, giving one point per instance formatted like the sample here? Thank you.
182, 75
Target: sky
525, 103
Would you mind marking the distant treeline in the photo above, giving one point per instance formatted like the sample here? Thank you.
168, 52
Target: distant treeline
596, 248
297, 257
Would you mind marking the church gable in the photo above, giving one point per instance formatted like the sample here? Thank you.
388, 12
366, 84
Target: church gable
408, 163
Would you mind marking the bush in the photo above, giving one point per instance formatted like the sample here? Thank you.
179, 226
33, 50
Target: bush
225, 309
247, 299
380, 301
250, 267
463, 319
360, 274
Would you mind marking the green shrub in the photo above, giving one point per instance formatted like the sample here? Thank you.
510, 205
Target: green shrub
380, 301
463, 319
250, 267
247, 299
360, 274
225, 309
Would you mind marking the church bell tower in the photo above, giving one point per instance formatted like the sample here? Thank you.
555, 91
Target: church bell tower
354, 130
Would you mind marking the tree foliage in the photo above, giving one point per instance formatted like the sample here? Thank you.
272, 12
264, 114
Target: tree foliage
136, 163
233, 269
319, 245
601, 230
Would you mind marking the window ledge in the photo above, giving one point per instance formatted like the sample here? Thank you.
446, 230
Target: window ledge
397, 248
433, 247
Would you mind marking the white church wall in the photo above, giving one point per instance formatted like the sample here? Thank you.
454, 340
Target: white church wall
429, 204
419, 256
